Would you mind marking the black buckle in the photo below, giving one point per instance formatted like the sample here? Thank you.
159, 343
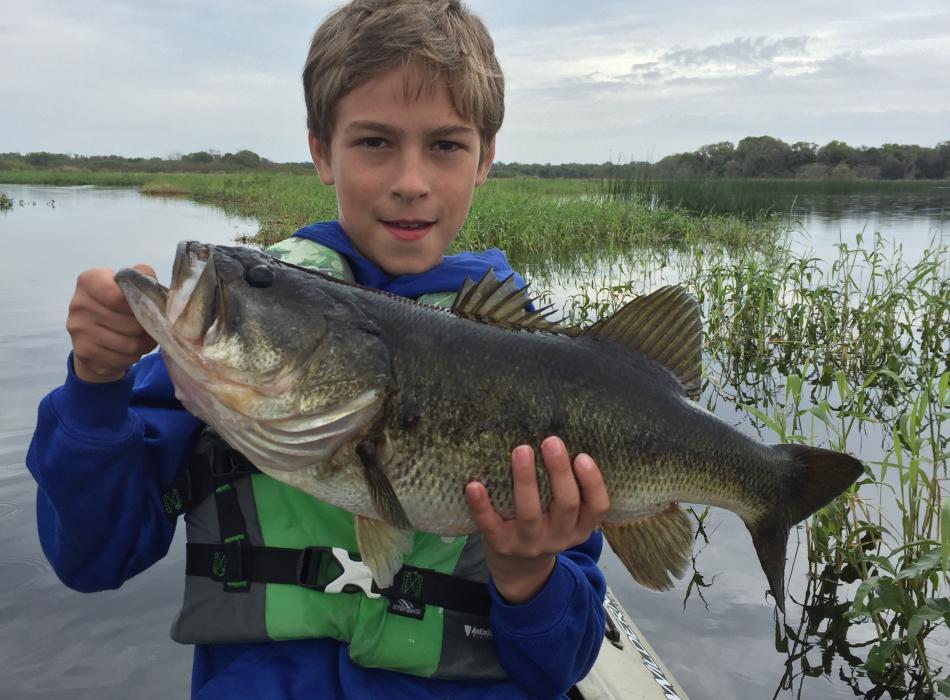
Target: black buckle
312, 568
224, 463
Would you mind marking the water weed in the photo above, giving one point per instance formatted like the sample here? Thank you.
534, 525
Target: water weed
851, 354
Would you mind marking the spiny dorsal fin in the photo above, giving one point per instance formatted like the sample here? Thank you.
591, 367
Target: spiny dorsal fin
502, 303
665, 325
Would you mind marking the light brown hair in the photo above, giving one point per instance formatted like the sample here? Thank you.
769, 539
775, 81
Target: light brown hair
365, 38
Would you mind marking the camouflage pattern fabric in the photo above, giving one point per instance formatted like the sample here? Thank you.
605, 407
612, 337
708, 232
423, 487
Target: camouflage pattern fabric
307, 253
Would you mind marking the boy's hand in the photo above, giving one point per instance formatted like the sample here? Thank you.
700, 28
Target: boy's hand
107, 339
520, 553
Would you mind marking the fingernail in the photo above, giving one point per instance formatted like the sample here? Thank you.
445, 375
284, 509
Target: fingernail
523, 453
583, 463
552, 445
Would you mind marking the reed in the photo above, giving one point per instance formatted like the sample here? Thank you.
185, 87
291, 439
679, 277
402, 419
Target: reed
851, 354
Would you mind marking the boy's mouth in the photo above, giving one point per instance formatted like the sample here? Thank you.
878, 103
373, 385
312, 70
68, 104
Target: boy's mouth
408, 229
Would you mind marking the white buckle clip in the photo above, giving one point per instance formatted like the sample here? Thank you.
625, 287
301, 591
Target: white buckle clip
355, 573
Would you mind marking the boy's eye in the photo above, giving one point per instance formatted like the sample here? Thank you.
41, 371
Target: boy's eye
373, 141
447, 146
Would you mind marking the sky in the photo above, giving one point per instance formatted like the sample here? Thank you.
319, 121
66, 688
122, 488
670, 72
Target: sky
594, 81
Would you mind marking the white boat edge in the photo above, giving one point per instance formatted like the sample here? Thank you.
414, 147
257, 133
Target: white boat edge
627, 666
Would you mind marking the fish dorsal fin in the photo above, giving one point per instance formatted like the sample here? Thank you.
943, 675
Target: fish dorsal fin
502, 303
665, 325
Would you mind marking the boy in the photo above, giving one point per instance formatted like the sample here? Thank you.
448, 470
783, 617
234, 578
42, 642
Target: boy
403, 101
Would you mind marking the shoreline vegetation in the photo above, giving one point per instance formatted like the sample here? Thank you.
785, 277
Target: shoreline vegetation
532, 220
851, 353
751, 157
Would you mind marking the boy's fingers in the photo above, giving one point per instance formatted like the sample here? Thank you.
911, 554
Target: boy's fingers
595, 501
131, 345
145, 270
484, 515
566, 497
527, 498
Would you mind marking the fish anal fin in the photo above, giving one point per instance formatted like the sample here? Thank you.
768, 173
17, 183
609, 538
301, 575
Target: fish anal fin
382, 548
666, 326
653, 546
502, 303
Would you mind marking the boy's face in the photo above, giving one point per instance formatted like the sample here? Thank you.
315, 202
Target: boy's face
405, 167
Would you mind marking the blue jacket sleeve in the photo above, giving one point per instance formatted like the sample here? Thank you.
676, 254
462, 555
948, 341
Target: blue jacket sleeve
100, 455
550, 642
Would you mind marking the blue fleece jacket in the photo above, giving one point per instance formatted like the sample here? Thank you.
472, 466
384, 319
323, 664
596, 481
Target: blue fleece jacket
101, 454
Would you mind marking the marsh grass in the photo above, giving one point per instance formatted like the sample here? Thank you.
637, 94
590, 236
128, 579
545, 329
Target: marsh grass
750, 198
5, 202
163, 189
842, 353
531, 220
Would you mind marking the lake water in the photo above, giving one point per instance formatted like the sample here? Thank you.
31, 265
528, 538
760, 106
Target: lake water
56, 643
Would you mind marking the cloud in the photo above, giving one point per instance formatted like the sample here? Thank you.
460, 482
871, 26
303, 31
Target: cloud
741, 51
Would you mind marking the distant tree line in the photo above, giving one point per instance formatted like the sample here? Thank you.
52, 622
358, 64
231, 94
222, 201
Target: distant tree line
197, 162
765, 157
753, 156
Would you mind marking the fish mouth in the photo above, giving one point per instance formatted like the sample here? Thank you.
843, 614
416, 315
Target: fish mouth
187, 307
140, 289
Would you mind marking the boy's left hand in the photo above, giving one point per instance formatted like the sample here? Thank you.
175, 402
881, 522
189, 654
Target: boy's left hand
520, 553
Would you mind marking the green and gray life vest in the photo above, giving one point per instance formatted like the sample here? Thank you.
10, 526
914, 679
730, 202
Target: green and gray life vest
269, 562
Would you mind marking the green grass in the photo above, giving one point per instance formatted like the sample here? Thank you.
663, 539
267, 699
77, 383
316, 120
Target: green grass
531, 220
756, 197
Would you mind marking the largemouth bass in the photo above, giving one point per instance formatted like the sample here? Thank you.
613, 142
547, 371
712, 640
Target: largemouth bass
388, 408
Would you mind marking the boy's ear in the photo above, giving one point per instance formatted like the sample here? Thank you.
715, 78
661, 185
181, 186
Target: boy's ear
485, 165
320, 154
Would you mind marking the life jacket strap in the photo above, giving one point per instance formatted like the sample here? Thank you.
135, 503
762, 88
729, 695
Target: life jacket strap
332, 570
213, 465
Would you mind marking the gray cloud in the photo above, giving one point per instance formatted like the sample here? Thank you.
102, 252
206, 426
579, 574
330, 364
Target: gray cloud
741, 50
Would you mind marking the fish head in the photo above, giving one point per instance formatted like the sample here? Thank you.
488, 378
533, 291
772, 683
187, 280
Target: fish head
253, 347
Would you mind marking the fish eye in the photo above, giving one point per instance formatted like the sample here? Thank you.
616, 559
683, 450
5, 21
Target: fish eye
260, 276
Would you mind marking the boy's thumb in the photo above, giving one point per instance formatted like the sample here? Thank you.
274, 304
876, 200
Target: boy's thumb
145, 270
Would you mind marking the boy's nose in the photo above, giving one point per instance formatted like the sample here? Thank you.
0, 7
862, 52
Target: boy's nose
410, 181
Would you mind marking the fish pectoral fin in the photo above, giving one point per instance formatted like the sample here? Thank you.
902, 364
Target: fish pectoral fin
382, 548
665, 325
381, 490
653, 546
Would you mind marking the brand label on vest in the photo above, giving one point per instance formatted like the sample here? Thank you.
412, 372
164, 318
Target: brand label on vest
406, 608
480, 633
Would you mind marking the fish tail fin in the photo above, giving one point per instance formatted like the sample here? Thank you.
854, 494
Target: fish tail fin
816, 477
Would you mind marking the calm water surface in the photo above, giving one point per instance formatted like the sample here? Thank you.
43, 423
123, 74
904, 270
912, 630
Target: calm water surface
55, 643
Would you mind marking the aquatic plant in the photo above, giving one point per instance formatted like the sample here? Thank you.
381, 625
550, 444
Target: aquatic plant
842, 354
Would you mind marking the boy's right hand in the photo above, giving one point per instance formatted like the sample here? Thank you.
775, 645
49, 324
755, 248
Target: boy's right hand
107, 338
